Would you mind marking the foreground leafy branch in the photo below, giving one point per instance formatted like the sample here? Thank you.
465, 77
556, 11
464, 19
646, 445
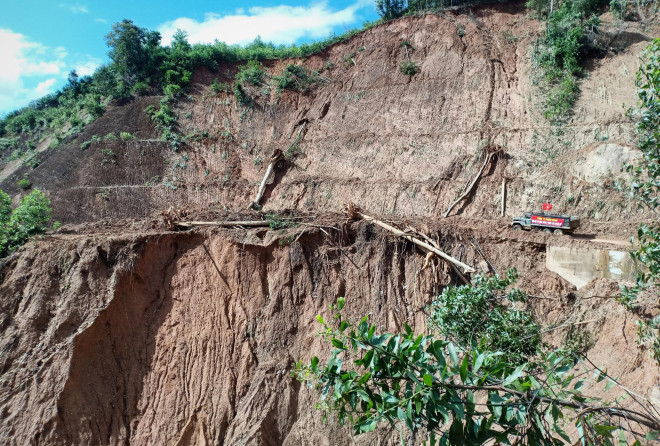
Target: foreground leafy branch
450, 395
646, 189
29, 218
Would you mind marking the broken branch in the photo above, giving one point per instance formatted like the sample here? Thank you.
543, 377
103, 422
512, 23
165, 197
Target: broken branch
274, 158
424, 245
474, 182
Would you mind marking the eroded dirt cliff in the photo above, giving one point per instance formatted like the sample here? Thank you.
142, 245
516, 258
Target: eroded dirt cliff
188, 338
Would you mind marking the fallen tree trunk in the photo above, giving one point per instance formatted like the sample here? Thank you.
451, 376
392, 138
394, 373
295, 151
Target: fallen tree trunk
223, 224
274, 158
469, 189
424, 245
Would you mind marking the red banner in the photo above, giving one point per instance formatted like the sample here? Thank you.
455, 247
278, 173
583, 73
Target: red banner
547, 221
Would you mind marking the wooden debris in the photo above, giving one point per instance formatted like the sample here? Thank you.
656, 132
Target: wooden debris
223, 224
471, 186
353, 210
274, 158
477, 246
171, 216
433, 242
503, 209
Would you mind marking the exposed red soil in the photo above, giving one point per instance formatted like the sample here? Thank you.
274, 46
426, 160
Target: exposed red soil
117, 330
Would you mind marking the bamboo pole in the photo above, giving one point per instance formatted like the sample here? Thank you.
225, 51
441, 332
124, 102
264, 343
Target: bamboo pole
469, 189
503, 210
424, 245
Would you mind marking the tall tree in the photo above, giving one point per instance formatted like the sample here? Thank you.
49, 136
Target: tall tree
134, 51
391, 9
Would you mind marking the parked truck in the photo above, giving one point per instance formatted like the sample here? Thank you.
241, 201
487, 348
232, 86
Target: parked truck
558, 224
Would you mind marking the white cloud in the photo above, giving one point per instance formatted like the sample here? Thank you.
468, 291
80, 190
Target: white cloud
101, 20
29, 69
45, 87
277, 24
88, 67
76, 9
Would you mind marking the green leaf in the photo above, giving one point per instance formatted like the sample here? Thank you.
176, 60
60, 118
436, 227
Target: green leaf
315, 362
364, 396
428, 380
478, 362
409, 415
562, 433
464, 368
515, 375
605, 430
337, 343
340, 303
452, 353
653, 436
389, 398
320, 319
364, 378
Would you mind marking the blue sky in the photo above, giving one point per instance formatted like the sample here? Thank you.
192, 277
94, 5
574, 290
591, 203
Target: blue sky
42, 40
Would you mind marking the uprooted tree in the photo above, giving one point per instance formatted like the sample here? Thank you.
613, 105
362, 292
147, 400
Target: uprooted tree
487, 379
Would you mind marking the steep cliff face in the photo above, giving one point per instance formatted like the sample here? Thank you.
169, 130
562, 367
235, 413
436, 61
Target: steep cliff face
366, 132
185, 339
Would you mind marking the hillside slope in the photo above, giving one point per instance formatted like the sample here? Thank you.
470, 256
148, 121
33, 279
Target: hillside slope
367, 133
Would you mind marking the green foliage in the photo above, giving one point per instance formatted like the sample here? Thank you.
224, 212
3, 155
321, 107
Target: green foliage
297, 78
140, 88
479, 315
126, 136
140, 65
442, 394
646, 189
8, 144
559, 51
251, 73
391, 9
166, 120
5, 208
630, 9
28, 219
241, 95
408, 68
135, 53
276, 221
220, 87
24, 183
292, 151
